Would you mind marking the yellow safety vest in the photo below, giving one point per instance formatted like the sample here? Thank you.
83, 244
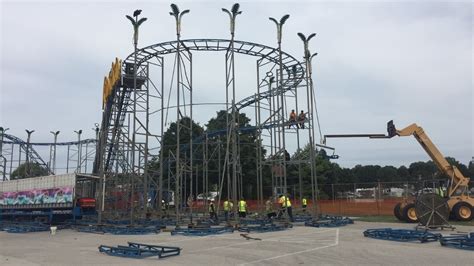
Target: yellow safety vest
440, 192
226, 205
285, 202
305, 202
242, 206
211, 208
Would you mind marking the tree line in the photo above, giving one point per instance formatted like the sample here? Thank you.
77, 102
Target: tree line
214, 150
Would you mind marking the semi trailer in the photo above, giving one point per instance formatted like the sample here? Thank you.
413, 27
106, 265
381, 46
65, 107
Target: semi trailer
48, 198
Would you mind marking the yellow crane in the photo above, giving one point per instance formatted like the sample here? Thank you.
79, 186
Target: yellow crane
458, 195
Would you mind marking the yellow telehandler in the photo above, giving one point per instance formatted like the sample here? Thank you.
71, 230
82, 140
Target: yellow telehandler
457, 197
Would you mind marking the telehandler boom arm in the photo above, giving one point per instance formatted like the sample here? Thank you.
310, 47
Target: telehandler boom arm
457, 179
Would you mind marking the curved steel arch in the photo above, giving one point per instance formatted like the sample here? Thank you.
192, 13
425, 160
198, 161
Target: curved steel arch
293, 67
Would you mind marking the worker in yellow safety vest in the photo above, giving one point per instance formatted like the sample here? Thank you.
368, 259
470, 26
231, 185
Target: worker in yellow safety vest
269, 208
285, 205
242, 208
440, 191
212, 210
228, 206
304, 204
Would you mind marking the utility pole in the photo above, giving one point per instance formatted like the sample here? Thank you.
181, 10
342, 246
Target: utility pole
53, 152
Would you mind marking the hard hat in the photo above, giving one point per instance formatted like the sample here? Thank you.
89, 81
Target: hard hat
212, 200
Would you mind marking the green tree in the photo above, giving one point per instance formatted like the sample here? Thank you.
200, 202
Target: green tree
388, 174
169, 146
34, 169
248, 144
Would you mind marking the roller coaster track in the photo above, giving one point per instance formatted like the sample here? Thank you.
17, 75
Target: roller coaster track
33, 155
293, 67
295, 73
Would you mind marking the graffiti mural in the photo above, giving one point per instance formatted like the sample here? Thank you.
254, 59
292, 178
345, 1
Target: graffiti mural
37, 196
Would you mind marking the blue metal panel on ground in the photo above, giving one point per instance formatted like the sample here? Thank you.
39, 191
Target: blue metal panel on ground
202, 231
464, 241
138, 250
403, 235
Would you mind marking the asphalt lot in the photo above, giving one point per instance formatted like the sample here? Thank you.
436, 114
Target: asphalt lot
297, 246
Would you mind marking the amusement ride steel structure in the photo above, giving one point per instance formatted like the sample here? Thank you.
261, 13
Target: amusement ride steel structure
128, 141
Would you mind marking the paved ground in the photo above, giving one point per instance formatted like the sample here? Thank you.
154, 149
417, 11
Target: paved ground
297, 246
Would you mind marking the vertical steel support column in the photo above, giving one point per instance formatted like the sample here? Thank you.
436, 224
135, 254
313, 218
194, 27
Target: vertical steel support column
79, 147
230, 82
53, 151
27, 166
281, 135
162, 128
309, 95
2, 132
179, 170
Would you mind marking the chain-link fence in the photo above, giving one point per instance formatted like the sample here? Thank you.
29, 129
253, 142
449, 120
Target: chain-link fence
374, 198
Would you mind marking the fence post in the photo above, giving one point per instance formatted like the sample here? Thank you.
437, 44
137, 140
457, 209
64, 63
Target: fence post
378, 198
332, 189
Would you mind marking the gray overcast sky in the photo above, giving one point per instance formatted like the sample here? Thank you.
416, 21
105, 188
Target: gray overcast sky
406, 61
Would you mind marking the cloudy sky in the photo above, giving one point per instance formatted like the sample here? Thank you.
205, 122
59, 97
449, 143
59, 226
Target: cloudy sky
406, 61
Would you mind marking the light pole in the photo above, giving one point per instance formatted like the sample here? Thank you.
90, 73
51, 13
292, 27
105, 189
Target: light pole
27, 165
2, 132
281, 138
234, 123
52, 155
136, 25
309, 94
79, 132
178, 16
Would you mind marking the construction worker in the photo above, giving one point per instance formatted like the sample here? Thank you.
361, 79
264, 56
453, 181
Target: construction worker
228, 205
269, 208
242, 208
212, 210
164, 208
282, 210
439, 190
301, 119
292, 119
286, 205
304, 203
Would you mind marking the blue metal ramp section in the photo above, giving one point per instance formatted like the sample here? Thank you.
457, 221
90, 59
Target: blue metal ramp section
402, 235
139, 251
25, 227
329, 221
202, 231
264, 228
118, 230
463, 241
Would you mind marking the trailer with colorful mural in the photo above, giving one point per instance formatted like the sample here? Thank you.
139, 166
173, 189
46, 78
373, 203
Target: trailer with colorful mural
68, 196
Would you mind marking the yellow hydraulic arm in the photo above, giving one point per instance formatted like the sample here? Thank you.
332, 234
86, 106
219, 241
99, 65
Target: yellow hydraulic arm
458, 180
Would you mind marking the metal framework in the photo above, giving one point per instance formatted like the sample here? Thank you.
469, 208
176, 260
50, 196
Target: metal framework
129, 152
